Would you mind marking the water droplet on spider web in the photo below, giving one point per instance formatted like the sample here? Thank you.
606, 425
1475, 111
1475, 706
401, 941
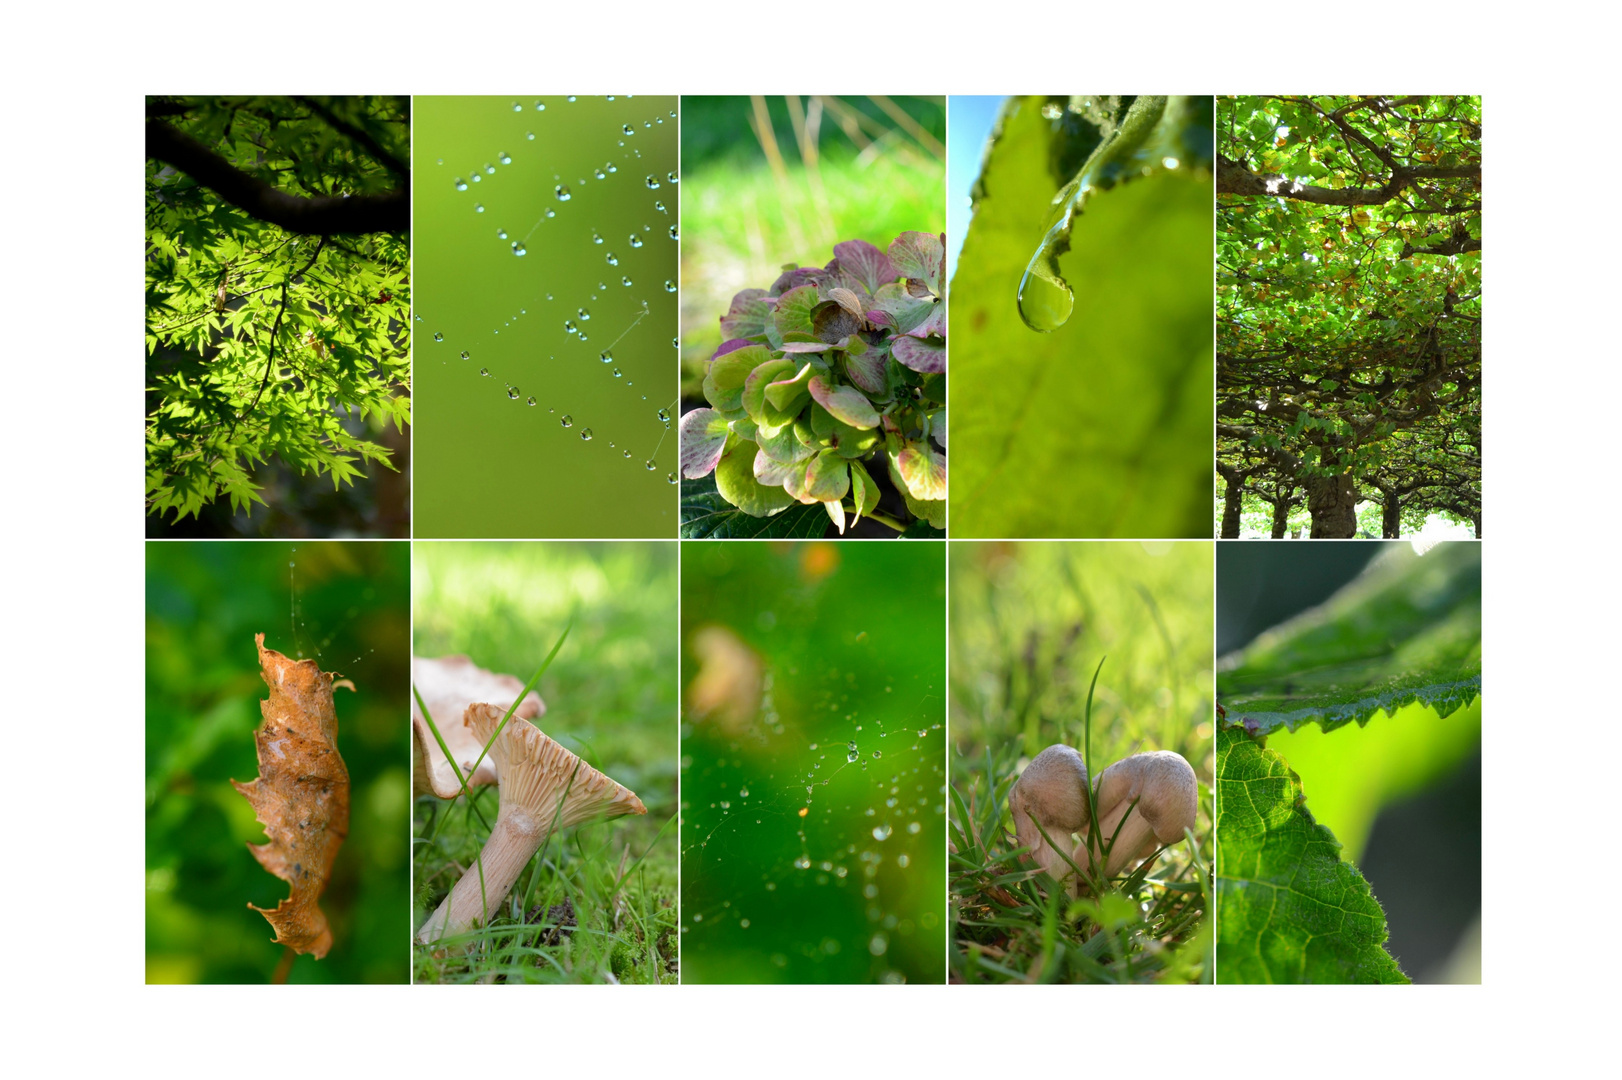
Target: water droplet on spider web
466, 355
586, 435
561, 192
652, 182
670, 286
567, 421
478, 208
636, 241
505, 158
613, 259
461, 185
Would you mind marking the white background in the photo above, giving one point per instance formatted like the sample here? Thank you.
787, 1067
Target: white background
74, 87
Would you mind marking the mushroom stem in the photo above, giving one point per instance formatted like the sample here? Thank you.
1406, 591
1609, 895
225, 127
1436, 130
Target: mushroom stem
517, 835
1143, 801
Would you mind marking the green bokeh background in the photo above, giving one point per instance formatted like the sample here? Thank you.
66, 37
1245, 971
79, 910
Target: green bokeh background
205, 602
610, 697
1102, 428
741, 222
487, 466
853, 636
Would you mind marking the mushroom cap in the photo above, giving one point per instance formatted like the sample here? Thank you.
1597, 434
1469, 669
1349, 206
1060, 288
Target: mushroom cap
1164, 785
540, 777
1053, 790
448, 685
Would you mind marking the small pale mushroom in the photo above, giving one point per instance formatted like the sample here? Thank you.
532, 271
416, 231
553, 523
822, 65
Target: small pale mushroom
1167, 801
448, 685
1051, 791
543, 787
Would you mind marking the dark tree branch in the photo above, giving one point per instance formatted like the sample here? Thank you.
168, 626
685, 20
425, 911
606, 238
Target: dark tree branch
373, 147
316, 216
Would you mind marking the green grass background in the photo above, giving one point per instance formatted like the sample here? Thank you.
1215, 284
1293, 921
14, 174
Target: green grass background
854, 638
1030, 624
488, 466
205, 602
741, 222
611, 698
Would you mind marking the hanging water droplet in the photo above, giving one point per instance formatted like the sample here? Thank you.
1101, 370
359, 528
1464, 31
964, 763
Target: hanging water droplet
651, 465
478, 208
670, 286
660, 206
531, 399
675, 234
879, 753
670, 478
636, 241
599, 174
540, 106
551, 213
489, 169
1045, 299
562, 192
517, 107
613, 259
652, 182
466, 355
485, 372
530, 135
438, 336
584, 314
628, 130
605, 356
585, 436
571, 97
617, 374
673, 178
501, 234
595, 238
568, 326
664, 415
505, 158
461, 185
512, 392
583, 336
881, 832
519, 248
626, 282
567, 421
627, 453
612, 167
476, 176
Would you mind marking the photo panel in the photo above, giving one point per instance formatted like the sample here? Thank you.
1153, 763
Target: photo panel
276, 675
1348, 763
1348, 297
543, 732
813, 762
813, 317
545, 324
277, 390
1081, 316
1081, 692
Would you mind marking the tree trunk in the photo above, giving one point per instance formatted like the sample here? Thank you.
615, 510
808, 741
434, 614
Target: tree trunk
1391, 516
1476, 523
1332, 502
1230, 510
1281, 517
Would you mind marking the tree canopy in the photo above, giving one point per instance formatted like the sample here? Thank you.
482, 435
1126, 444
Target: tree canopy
277, 295
1349, 309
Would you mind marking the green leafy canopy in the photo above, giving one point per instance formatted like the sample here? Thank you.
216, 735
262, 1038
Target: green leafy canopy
277, 292
1348, 300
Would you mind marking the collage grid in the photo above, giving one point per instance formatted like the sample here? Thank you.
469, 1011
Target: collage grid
711, 676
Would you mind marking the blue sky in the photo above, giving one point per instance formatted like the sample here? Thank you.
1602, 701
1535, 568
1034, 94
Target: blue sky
968, 123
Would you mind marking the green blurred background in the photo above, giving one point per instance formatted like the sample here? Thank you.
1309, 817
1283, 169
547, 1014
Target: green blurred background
778, 180
610, 697
852, 637
1402, 794
487, 465
344, 605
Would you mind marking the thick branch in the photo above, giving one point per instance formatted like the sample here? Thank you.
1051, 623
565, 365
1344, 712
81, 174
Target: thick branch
316, 216
1234, 178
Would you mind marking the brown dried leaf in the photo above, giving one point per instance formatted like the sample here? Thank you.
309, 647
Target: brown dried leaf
301, 795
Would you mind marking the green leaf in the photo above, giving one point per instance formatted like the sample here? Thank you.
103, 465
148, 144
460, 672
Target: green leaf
1288, 909
844, 403
1103, 427
705, 515
735, 480
1408, 629
723, 384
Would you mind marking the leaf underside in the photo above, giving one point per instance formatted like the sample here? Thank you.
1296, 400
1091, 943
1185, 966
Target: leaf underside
1408, 629
301, 795
1288, 909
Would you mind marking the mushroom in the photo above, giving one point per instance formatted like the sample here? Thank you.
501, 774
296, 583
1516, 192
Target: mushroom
543, 787
1167, 799
448, 685
1052, 792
